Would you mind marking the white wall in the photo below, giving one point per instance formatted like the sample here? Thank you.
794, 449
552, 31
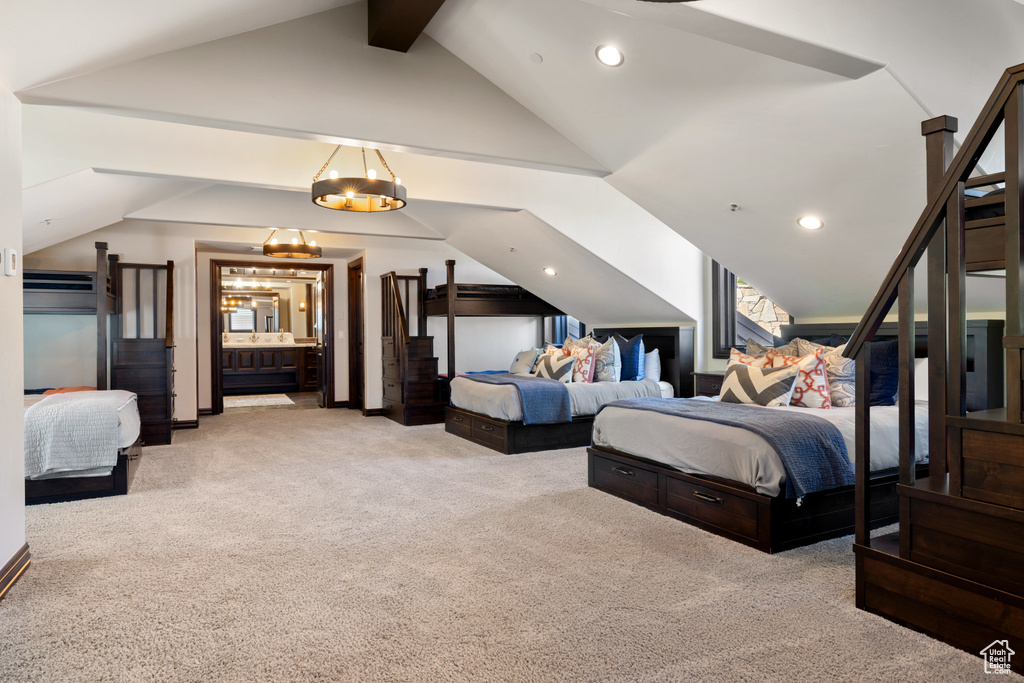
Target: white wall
60, 351
140, 243
12, 421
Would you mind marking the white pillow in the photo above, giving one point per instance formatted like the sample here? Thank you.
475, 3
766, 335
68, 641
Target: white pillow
523, 363
652, 365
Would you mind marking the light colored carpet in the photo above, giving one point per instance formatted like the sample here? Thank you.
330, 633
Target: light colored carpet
257, 400
343, 548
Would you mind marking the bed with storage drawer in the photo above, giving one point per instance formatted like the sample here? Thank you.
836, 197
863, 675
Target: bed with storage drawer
720, 477
493, 415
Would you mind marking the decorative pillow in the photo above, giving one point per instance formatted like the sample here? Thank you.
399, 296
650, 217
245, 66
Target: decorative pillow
758, 386
583, 368
652, 365
608, 362
559, 351
632, 352
755, 349
885, 372
841, 374
524, 362
559, 368
747, 359
811, 388
581, 343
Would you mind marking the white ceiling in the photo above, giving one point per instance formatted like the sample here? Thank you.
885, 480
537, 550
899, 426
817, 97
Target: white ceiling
219, 112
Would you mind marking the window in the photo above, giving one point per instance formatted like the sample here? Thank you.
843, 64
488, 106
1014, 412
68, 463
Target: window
242, 320
740, 312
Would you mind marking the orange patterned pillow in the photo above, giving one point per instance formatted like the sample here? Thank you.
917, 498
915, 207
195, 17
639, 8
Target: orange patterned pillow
811, 389
583, 367
747, 359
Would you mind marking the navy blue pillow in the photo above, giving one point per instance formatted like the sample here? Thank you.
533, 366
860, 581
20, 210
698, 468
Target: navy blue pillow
831, 340
632, 352
885, 372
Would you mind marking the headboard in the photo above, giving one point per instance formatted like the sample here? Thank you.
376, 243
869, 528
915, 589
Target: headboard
675, 346
985, 374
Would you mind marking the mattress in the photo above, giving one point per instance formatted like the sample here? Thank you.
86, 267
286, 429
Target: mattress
502, 401
129, 428
708, 448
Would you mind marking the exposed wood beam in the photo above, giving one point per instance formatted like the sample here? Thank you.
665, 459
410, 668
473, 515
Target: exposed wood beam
396, 24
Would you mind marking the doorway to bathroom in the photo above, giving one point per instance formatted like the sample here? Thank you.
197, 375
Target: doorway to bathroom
272, 335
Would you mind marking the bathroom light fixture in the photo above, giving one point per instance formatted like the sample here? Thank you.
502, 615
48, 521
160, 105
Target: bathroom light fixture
366, 194
810, 222
550, 271
609, 55
298, 248
302, 305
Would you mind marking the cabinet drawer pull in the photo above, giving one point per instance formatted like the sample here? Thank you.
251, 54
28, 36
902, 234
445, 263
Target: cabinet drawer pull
487, 428
391, 386
623, 471
707, 497
456, 419
387, 407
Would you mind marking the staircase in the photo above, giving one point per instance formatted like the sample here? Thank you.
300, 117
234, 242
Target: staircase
955, 568
413, 392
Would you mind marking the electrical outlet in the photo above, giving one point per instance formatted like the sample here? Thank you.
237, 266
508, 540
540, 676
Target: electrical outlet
10, 262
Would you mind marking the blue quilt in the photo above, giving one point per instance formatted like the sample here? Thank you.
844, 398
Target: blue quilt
544, 400
811, 449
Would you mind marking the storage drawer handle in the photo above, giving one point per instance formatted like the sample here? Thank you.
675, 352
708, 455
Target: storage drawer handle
707, 497
391, 386
387, 407
624, 471
456, 419
487, 428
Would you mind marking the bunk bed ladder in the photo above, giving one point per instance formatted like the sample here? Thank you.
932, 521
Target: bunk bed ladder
955, 568
413, 392
142, 349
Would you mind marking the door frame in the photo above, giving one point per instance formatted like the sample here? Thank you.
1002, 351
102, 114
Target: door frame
216, 324
356, 374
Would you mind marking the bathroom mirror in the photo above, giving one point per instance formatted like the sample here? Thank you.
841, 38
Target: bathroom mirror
267, 300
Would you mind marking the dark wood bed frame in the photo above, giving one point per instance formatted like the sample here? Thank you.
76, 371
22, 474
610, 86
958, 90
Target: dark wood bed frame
95, 293
675, 346
776, 523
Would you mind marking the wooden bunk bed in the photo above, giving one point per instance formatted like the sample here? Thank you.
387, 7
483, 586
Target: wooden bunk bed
737, 511
953, 569
134, 367
413, 391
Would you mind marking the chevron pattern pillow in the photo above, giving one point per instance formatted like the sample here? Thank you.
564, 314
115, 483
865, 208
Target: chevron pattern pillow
759, 386
553, 367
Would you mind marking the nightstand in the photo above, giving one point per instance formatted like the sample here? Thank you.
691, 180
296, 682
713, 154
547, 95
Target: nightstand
708, 383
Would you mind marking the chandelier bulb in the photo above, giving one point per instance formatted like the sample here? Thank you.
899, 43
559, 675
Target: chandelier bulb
295, 240
371, 174
312, 243
350, 194
333, 175
273, 240
398, 181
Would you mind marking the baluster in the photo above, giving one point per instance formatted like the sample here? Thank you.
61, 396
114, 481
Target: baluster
956, 267
907, 408
862, 463
1013, 123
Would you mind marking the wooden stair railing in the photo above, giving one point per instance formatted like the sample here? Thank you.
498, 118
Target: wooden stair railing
953, 562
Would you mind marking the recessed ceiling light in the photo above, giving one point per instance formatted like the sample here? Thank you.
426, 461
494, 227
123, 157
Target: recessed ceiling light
536, 58
810, 222
550, 271
609, 55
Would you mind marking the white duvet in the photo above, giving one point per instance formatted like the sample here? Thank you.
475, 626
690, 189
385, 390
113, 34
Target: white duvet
79, 433
502, 400
698, 447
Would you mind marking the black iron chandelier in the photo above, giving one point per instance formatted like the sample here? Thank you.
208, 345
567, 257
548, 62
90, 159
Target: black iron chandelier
297, 248
367, 194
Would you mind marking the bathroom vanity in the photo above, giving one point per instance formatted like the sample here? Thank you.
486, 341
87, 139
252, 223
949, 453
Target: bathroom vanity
266, 364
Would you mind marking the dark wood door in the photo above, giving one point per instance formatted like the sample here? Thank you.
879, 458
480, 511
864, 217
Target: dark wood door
319, 318
356, 365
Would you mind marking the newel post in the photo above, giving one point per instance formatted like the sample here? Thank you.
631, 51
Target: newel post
1013, 124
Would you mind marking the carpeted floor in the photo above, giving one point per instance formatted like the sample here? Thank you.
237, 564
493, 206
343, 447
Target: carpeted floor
332, 547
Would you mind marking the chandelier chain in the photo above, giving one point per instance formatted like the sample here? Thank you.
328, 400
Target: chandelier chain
326, 164
381, 157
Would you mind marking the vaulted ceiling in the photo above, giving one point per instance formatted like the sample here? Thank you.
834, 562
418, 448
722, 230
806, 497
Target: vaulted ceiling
515, 144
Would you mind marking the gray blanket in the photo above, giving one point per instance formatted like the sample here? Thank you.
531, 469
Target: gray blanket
544, 400
811, 449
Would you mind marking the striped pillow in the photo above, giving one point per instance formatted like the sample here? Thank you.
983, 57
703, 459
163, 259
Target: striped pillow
559, 368
759, 386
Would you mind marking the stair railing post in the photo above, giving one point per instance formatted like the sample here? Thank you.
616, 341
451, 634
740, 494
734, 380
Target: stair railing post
938, 133
452, 294
421, 311
862, 462
907, 407
1013, 124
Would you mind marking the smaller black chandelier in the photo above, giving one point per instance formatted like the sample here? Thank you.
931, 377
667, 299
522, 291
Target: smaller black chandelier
366, 194
297, 248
